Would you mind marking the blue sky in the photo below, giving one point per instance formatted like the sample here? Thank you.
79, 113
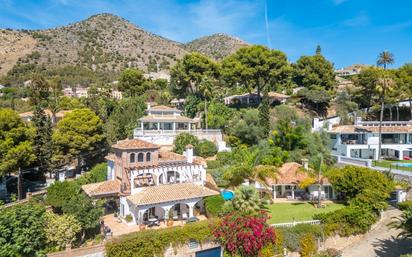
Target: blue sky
349, 31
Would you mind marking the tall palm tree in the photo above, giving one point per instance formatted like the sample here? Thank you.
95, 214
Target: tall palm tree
246, 165
384, 59
206, 88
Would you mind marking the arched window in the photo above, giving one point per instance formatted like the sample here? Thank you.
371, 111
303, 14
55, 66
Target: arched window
148, 157
132, 157
140, 157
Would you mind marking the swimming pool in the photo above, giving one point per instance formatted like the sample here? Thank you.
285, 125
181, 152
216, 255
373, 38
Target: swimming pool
227, 195
409, 164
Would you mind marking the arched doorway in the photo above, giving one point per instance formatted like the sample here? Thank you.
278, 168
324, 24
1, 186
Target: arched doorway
180, 211
153, 212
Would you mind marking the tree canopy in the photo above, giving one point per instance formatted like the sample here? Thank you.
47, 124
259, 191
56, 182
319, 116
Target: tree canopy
80, 132
254, 67
16, 149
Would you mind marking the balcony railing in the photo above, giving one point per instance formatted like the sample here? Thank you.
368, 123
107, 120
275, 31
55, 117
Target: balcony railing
140, 132
385, 123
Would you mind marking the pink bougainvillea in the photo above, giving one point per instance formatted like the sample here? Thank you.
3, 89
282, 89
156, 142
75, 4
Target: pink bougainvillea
244, 235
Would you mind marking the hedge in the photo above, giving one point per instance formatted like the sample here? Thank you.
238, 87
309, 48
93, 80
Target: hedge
154, 242
347, 221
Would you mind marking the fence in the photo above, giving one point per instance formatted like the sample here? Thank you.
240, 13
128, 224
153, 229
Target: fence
29, 195
294, 223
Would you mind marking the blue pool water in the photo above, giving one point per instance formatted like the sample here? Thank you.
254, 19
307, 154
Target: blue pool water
405, 164
227, 195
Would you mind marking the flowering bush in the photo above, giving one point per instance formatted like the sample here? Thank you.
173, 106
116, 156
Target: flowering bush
244, 235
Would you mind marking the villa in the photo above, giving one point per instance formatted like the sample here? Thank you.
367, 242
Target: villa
361, 140
290, 176
151, 185
250, 99
162, 124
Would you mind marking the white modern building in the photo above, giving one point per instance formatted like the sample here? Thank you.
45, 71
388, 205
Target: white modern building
162, 124
361, 140
153, 184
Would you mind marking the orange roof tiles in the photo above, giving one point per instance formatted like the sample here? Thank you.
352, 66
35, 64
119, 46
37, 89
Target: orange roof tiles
133, 144
291, 173
110, 187
169, 193
371, 129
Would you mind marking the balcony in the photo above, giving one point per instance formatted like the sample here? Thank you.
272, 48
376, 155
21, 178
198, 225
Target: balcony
140, 132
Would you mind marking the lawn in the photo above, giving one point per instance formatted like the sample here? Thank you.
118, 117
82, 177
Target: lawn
392, 165
285, 212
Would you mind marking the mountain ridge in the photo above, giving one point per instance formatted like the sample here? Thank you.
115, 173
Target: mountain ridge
104, 42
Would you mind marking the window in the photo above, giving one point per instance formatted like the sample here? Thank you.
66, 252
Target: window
140, 157
148, 157
132, 157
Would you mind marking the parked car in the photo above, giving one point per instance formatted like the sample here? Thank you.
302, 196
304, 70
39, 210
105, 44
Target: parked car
192, 219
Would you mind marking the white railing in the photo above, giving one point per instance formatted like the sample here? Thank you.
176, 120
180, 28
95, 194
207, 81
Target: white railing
353, 161
294, 223
384, 123
139, 132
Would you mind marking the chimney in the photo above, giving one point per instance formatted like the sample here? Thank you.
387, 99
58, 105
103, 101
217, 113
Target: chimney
305, 164
189, 153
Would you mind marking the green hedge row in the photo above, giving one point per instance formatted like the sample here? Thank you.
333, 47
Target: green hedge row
154, 242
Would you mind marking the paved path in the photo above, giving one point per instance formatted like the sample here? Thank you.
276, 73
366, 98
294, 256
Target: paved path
380, 241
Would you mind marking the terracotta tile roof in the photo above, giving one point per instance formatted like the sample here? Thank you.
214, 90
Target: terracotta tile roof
149, 118
370, 129
170, 156
163, 108
291, 173
110, 187
133, 144
278, 95
169, 193
110, 157
59, 114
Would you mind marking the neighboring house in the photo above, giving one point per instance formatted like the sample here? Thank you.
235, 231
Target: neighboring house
250, 99
162, 124
361, 139
351, 70
28, 116
286, 185
178, 103
75, 92
150, 183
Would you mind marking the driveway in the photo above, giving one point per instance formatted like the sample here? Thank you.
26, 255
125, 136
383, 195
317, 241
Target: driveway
381, 241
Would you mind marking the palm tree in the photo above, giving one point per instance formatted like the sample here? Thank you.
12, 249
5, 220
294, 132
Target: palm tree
247, 200
206, 88
404, 223
246, 165
385, 58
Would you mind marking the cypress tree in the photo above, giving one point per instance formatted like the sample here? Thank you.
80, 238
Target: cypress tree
42, 139
264, 113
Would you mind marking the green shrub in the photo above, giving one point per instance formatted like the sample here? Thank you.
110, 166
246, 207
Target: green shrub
405, 205
347, 221
184, 139
307, 246
214, 205
205, 148
128, 218
149, 243
291, 237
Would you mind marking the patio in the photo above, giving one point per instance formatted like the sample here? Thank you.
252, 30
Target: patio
121, 228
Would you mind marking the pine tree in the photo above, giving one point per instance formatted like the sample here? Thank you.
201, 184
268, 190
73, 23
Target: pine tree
318, 50
264, 113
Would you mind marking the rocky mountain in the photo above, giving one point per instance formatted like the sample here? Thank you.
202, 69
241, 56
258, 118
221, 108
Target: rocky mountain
103, 42
216, 45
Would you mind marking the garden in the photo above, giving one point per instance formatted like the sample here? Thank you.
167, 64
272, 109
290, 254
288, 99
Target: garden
297, 211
